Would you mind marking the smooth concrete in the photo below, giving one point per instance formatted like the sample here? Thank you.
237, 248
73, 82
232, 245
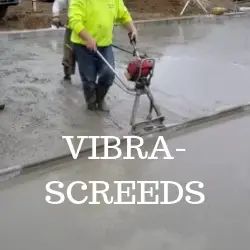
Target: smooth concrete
217, 155
201, 66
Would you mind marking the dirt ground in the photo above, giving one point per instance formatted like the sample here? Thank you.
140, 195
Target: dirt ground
22, 16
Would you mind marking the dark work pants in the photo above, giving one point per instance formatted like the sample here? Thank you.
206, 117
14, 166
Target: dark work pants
93, 71
68, 56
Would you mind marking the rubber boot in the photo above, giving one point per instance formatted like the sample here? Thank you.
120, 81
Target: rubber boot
101, 92
90, 97
67, 75
2, 106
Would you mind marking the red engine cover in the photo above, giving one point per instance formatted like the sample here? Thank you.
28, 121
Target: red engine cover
140, 68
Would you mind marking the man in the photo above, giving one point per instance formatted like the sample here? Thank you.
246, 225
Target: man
68, 61
92, 24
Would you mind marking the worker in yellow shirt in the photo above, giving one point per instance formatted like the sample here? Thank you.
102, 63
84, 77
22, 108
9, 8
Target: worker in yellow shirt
92, 23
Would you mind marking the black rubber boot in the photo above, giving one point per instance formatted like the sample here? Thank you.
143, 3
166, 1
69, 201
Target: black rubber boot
101, 92
67, 78
2, 106
90, 97
67, 75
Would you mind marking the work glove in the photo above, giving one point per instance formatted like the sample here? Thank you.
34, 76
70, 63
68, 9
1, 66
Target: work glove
56, 21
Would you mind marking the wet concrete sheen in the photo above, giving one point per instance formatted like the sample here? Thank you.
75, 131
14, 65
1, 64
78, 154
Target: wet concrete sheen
201, 66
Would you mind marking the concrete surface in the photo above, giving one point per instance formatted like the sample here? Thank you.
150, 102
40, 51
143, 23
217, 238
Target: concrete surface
217, 155
202, 66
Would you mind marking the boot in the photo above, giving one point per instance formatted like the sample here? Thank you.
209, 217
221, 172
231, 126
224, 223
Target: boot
90, 97
2, 106
67, 75
101, 92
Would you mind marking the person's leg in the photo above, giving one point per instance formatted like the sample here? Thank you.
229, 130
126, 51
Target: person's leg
88, 72
106, 77
68, 56
72, 59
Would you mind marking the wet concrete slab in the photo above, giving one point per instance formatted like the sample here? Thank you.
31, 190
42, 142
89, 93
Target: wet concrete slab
217, 155
201, 66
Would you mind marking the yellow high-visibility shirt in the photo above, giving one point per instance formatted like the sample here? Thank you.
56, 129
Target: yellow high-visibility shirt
97, 17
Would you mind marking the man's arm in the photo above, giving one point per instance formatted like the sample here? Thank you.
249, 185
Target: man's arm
90, 41
132, 30
76, 15
125, 19
57, 7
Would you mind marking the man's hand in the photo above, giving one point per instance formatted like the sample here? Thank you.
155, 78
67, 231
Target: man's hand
133, 35
132, 31
90, 41
56, 21
91, 44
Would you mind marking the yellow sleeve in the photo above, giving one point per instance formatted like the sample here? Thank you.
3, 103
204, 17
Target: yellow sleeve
123, 15
76, 15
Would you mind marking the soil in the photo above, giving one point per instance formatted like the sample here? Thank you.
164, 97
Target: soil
22, 16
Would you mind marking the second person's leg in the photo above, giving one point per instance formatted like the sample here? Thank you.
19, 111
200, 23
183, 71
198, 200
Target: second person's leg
67, 55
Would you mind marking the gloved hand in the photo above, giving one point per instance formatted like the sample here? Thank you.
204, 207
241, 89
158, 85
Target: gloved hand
133, 36
56, 21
